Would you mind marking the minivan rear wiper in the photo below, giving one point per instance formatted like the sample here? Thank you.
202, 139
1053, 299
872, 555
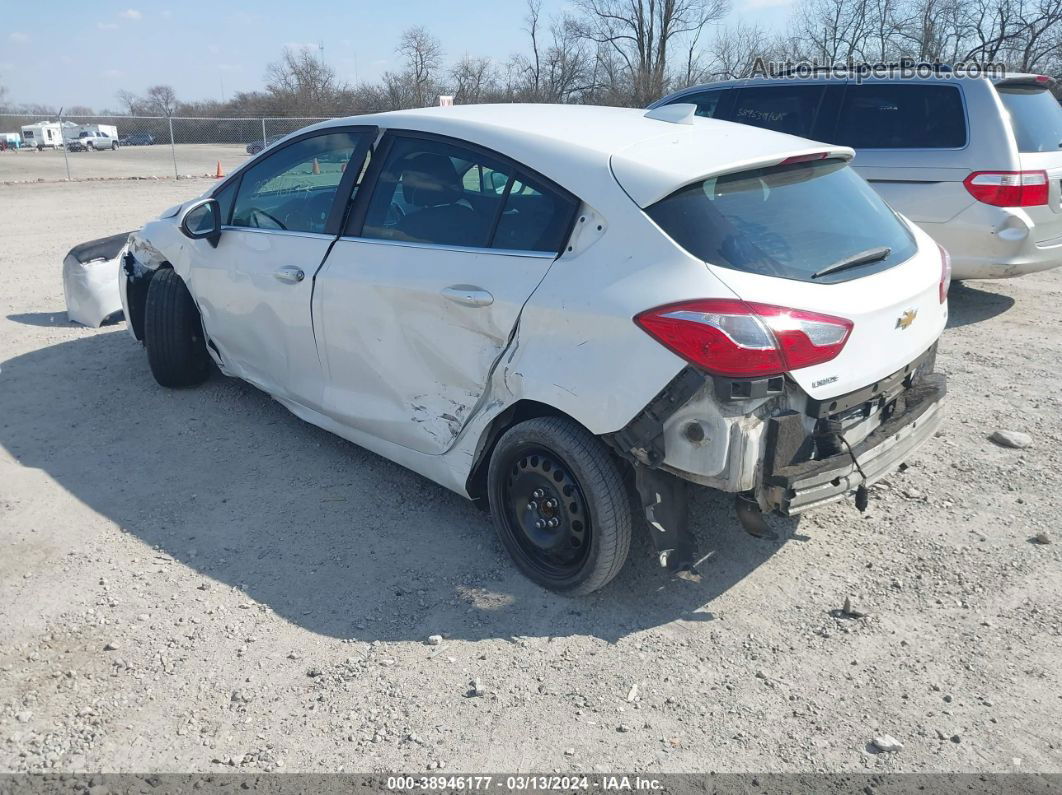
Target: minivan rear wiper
862, 258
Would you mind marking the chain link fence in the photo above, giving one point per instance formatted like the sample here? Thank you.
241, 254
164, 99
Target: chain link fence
36, 148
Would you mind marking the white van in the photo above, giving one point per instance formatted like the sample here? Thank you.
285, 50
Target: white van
976, 162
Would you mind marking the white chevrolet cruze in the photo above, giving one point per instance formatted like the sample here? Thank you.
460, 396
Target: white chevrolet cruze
550, 309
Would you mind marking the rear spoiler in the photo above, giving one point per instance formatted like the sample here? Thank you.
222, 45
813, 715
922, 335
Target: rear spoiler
1026, 81
646, 192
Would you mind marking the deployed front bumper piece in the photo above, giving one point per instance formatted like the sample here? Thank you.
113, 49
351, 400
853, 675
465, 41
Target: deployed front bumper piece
792, 484
90, 280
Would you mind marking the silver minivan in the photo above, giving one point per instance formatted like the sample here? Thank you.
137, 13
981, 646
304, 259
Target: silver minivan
976, 162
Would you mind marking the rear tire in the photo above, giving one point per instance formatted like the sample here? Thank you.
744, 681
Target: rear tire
173, 333
560, 505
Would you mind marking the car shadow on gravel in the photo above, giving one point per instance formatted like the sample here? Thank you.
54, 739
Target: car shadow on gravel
967, 305
331, 537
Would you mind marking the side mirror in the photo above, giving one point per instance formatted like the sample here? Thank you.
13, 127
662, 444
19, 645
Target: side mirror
202, 220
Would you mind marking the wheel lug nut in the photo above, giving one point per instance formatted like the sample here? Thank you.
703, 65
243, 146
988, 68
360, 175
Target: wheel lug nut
540, 524
532, 506
538, 494
553, 522
551, 503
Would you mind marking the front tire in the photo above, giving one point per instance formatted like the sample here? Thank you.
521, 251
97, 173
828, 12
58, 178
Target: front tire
559, 505
173, 333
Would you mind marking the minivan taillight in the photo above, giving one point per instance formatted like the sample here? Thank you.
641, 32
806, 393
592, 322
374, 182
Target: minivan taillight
1008, 188
743, 339
945, 273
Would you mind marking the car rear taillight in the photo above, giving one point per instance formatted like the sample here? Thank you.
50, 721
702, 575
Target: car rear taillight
945, 273
804, 158
738, 338
1008, 188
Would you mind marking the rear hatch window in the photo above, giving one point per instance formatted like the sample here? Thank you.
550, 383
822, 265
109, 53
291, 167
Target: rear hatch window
1035, 117
792, 221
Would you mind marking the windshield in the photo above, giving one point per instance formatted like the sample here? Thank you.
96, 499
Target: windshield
1035, 117
790, 221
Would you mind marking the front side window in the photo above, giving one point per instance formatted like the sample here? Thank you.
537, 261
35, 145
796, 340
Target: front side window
901, 116
1035, 117
791, 221
783, 108
294, 187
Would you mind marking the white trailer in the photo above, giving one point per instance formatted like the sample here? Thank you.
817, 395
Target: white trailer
42, 135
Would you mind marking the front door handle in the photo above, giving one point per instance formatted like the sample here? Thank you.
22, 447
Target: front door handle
290, 274
468, 295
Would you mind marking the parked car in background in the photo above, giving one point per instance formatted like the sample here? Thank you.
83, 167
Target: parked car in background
254, 147
975, 162
89, 139
537, 306
137, 139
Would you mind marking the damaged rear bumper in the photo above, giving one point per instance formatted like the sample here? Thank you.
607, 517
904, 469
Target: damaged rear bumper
791, 488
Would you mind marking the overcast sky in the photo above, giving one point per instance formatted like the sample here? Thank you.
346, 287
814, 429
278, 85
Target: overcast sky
81, 53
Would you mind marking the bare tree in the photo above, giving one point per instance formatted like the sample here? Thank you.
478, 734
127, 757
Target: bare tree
558, 67
303, 82
423, 56
734, 50
473, 79
162, 100
643, 34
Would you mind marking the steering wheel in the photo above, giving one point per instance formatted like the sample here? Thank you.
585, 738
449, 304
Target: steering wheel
256, 212
395, 214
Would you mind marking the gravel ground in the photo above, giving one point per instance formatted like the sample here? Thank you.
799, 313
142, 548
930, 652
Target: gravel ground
128, 162
198, 581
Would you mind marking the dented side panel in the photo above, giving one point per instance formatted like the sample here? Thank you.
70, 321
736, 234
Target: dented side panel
410, 334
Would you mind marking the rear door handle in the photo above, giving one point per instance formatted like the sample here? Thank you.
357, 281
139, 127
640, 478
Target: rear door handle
290, 274
468, 295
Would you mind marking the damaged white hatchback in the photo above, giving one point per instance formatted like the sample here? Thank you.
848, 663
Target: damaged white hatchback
544, 307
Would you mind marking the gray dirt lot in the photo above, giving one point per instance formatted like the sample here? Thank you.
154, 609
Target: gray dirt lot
128, 162
193, 580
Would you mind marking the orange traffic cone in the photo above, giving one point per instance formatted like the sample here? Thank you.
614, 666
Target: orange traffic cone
219, 173
316, 166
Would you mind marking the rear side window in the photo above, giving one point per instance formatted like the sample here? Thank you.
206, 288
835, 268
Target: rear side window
1035, 117
534, 218
435, 192
783, 108
907, 116
789, 221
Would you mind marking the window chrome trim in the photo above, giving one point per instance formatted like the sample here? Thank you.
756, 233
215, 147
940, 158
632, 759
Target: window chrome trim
285, 232
511, 252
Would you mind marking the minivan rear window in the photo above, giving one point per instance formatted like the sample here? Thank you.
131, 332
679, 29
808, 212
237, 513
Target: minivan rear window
1035, 117
901, 116
789, 221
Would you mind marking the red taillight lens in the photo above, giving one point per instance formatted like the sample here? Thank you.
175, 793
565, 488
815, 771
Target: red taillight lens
804, 158
737, 338
1008, 188
945, 273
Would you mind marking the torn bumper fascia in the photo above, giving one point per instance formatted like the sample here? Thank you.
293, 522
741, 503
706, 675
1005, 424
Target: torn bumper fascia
663, 497
90, 280
791, 488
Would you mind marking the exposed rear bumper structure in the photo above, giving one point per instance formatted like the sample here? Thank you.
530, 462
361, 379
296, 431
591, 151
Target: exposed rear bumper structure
790, 488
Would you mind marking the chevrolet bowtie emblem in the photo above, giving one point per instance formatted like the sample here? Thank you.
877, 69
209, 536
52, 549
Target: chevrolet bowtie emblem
906, 319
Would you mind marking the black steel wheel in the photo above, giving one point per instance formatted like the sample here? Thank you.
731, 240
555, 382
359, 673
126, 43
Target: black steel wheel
559, 504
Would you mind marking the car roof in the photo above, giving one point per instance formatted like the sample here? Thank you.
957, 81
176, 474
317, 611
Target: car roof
574, 144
